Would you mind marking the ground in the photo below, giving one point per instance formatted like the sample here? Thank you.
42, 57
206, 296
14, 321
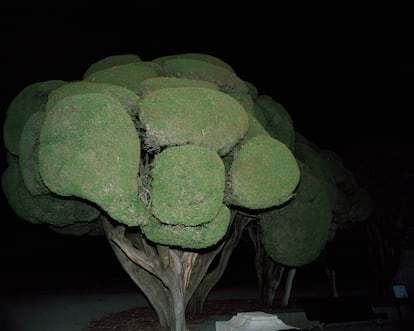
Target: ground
145, 319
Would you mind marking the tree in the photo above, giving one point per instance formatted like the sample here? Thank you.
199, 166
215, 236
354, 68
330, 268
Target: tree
162, 155
353, 206
327, 190
293, 235
267, 118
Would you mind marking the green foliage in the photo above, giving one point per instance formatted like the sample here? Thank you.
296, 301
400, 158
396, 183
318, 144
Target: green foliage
168, 145
45, 208
127, 75
311, 155
255, 128
191, 237
153, 84
29, 154
296, 233
89, 148
111, 61
264, 173
182, 196
200, 116
244, 99
275, 119
252, 90
195, 56
30, 100
225, 79
128, 99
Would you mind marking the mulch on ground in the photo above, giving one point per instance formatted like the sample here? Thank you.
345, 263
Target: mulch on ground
145, 318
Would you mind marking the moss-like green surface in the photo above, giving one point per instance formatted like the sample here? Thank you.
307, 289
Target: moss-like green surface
31, 99
189, 237
111, 61
46, 208
226, 80
195, 56
188, 185
89, 148
255, 128
126, 75
295, 234
264, 173
244, 99
200, 116
253, 91
205, 137
128, 99
29, 154
274, 117
153, 84
15, 191
311, 156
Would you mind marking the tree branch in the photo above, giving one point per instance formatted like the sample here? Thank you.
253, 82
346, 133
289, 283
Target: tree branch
136, 256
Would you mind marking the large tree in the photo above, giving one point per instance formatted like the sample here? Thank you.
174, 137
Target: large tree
162, 155
328, 199
293, 235
267, 118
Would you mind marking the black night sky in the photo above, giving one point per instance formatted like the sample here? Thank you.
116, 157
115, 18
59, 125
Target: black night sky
345, 78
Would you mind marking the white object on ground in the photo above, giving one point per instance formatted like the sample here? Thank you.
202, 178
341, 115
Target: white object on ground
253, 321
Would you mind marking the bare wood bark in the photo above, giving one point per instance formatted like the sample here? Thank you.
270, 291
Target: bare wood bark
140, 258
288, 287
259, 256
269, 273
163, 274
200, 269
272, 276
210, 279
154, 291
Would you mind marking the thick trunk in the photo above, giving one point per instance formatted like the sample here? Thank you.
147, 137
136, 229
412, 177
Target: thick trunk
210, 280
198, 296
175, 275
164, 275
153, 289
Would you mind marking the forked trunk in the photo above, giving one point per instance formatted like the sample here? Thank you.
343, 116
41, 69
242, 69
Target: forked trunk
213, 276
167, 277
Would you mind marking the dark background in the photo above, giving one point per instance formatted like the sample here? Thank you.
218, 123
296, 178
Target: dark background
344, 74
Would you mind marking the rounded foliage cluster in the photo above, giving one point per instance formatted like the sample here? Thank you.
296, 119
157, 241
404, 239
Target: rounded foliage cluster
295, 234
169, 145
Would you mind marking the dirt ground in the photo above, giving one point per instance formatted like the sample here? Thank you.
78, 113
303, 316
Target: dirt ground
145, 319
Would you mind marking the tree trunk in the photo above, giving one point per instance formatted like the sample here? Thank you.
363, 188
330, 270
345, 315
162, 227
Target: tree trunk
269, 273
288, 287
155, 292
272, 277
163, 274
210, 279
329, 271
259, 255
